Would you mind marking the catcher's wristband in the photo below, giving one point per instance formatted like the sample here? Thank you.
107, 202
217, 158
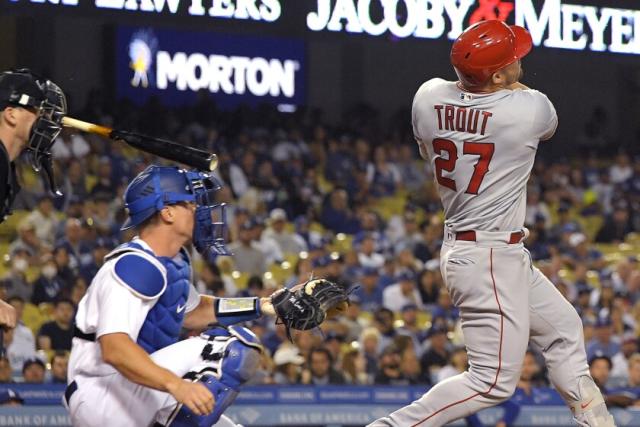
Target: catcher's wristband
230, 311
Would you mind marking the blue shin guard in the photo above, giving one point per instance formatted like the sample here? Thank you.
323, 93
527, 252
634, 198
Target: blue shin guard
231, 357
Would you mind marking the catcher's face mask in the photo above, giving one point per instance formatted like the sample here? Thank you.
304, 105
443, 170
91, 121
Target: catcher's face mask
159, 186
22, 88
210, 225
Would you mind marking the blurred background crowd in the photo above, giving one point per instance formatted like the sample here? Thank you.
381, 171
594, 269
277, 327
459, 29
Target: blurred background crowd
351, 201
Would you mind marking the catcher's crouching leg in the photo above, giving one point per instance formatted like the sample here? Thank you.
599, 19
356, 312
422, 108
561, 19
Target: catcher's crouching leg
232, 357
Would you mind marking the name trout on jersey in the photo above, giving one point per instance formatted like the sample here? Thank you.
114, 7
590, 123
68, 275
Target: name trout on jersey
461, 119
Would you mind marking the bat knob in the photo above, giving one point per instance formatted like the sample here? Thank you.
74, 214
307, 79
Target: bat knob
213, 162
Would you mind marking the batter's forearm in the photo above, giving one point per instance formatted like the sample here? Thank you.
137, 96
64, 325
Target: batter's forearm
134, 363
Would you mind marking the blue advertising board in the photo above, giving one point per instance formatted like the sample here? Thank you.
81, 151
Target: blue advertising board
175, 65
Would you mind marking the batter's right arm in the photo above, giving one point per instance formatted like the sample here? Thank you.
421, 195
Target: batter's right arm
134, 364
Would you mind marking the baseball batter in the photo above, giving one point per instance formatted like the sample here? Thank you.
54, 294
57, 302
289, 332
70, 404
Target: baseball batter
127, 367
481, 134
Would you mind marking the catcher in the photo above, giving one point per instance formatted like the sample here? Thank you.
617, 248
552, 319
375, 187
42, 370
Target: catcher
127, 367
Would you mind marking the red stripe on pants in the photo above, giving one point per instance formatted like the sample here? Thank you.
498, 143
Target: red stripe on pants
495, 381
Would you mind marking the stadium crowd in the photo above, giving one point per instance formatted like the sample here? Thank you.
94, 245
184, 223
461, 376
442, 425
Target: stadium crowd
352, 202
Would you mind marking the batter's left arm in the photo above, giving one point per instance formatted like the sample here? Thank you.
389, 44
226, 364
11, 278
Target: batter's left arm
423, 149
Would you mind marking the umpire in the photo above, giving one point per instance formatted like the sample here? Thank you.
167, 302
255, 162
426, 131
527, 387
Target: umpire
31, 111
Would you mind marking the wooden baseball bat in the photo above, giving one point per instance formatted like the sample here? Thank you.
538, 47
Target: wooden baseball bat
170, 150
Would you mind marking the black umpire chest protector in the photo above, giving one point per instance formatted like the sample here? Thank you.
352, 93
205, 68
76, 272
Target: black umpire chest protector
9, 186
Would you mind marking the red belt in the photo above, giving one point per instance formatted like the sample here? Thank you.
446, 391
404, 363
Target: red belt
470, 236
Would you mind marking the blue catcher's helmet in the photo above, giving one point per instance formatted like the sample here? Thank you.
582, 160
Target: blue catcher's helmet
160, 186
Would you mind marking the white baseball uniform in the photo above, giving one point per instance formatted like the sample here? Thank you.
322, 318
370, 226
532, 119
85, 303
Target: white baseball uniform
482, 148
104, 396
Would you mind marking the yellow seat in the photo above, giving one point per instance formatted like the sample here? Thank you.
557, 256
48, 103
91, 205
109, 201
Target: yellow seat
9, 228
240, 279
279, 273
33, 317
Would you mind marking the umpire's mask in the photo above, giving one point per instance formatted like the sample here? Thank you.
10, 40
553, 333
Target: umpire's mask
24, 89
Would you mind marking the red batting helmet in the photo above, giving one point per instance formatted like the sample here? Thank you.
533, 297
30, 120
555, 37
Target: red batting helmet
486, 47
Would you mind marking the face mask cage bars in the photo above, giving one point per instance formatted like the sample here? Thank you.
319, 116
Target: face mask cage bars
210, 226
45, 130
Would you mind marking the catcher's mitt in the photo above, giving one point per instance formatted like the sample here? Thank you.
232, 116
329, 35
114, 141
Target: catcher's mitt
307, 307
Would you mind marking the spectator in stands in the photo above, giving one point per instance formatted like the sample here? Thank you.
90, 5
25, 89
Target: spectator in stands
17, 354
582, 303
537, 209
23, 340
429, 245
616, 225
367, 255
6, 372
246, 255
75, 187
336, 215
621, 361
27, 241
16, 279
78, 290
370, 344
437, 354
73, 243
351, 320
621, 170
57, 334
33, 371
46, 219
599, 367
10, 397
369, 292
410, 326
582, 253
101, 248
288, 242
319, 369
412, 172
47, 286
633, 379
429, 286
354, 367
383, 321
382, 176
59, 362
409, 361
103, 216
333, 342
288, 363
265, 243
604, 342
390, 372
70, 144
65, 274
402, 293
458, 363
211, 282
105, 186
444, 309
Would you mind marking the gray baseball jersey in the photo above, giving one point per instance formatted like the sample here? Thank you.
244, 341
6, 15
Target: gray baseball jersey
482, 148
488, 142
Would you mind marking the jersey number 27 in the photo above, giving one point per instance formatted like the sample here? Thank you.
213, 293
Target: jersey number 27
480, 169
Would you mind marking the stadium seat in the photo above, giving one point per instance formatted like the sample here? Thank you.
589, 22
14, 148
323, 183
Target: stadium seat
9, 228
33, 317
